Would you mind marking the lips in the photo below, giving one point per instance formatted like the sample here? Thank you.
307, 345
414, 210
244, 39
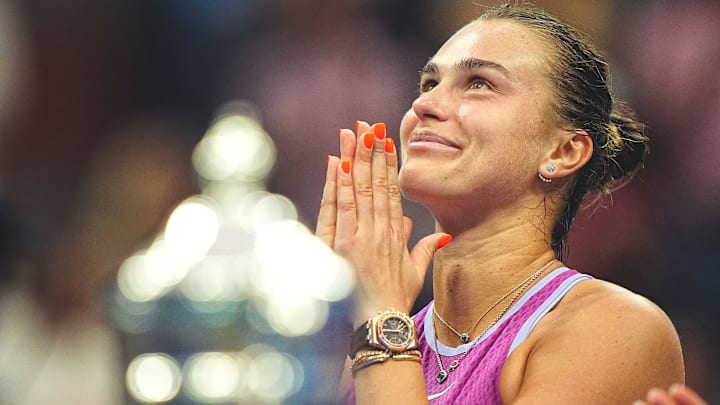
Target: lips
430, 138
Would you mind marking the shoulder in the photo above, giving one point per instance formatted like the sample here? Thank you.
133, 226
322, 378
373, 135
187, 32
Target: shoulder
602, 305
605, 342
610, 318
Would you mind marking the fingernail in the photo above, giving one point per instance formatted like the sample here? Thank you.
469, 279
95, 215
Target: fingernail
327, 160
675, 388
368, 139
639, 403
345, 166
444, 240
389, 145
379, 130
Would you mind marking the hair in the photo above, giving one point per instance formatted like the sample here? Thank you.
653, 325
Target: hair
583, 99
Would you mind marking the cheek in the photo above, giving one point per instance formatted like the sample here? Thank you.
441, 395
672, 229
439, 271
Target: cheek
409, 121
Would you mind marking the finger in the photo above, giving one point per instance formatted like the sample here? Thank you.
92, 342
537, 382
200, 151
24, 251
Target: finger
685, 396
657, 396
363, 177
393, 187
361, 127
327, 217
425, 249
381, 203
346, 225
348, 148
347, 144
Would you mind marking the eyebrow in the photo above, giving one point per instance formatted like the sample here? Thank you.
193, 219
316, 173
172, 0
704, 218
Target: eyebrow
464, 65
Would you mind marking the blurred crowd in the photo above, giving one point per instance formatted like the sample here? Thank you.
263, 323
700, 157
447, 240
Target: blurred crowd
102, 103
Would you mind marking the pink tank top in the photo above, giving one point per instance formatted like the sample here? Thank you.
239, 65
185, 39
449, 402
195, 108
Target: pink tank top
476, 380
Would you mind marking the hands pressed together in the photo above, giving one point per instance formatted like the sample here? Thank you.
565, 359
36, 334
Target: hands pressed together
361, 218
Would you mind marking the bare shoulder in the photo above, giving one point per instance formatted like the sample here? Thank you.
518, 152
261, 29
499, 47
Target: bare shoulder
611, 318
601, 341
609, 308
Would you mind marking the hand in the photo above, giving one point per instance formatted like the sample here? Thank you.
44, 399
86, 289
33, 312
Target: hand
676, 395
361, 218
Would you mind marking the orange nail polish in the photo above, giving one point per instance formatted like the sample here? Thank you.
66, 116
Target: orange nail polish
379, 130
389, 145
368, 139
327, 160
345, 166
444, 240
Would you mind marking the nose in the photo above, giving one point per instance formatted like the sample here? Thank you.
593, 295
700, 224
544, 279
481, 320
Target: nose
431, 105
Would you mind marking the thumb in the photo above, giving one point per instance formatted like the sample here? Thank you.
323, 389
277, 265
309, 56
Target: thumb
423, 252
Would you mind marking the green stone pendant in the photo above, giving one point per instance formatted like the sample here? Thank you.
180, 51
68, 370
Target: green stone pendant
442, 376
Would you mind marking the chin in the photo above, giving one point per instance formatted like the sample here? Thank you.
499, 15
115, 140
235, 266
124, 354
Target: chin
416, 186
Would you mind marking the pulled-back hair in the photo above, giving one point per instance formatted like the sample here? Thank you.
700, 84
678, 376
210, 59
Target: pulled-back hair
583, 99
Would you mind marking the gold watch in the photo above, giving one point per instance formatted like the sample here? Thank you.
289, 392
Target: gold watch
391, 330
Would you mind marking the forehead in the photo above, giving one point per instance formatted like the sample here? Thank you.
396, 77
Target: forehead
519, 49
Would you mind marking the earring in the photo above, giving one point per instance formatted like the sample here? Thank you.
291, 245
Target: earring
550, 168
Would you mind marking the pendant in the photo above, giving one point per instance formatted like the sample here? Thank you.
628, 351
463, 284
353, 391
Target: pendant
464, 337
454, 365
441, 376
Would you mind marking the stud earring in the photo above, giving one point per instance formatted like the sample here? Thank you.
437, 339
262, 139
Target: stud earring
550, 168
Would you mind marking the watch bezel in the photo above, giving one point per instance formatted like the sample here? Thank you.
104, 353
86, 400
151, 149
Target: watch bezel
409, 341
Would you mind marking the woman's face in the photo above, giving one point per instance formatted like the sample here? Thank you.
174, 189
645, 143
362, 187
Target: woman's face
478, 127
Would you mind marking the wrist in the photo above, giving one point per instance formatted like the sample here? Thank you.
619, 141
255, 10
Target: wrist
363, 312
390, 330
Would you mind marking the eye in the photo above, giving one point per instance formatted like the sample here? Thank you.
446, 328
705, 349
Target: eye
478, 83
427, 85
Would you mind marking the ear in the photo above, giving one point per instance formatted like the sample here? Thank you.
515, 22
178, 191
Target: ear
570, 152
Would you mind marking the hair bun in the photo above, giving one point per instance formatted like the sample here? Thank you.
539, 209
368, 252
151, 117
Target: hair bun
626, 146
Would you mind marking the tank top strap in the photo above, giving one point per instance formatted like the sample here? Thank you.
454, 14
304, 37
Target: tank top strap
539, 300
545, 300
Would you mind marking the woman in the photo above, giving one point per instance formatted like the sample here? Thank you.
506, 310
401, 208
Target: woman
513, 127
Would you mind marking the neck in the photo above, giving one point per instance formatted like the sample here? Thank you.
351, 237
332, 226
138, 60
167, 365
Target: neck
478, 268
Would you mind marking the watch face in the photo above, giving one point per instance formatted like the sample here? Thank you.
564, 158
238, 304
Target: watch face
396, 332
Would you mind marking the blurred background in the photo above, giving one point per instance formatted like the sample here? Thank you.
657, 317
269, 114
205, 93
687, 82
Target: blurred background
161, 165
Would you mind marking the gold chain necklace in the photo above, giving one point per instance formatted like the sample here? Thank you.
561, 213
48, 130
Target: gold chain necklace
519, 289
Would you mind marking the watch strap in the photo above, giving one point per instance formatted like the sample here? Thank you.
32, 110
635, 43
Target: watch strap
360, 339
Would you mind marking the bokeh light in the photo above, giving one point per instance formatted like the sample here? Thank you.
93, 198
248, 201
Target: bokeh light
135, 281
217, 278
212, 377
273, 375
306, 267
153, 378
235, 148
192, 229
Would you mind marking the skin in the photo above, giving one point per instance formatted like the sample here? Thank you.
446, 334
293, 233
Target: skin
473, 143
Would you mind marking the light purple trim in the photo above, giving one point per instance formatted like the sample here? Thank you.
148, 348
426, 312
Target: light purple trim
454, 351
546, 306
